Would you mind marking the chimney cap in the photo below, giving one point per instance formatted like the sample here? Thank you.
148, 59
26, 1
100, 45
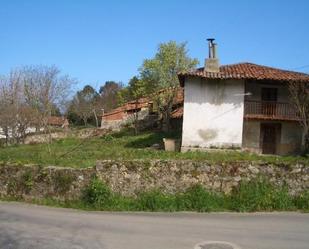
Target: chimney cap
210, 39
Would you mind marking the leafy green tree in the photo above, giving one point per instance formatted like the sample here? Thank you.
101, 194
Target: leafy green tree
160, 73
109, 92
136, 90
123, 96
84, 104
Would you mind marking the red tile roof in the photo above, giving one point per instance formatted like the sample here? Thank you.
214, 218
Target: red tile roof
247, 71
144, 102
58, 121
177, 113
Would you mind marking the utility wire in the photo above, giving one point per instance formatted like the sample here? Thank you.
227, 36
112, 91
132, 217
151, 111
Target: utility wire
299, 67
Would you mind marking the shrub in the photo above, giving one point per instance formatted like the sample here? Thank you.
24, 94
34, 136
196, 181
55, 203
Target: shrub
98, 194
107, 138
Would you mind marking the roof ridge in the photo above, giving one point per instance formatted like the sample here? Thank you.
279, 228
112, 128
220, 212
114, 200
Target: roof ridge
248, 70
270, 67
237, 63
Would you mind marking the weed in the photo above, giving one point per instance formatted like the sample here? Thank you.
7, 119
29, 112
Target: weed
260, 195
156, 200
26, 181
107, 138
62, 182
256, 195
302, 201
197, 198
97, 194
12, 187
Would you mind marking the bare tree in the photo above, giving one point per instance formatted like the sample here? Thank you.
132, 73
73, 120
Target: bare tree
299, 95
27, 98
44, 89
15, 115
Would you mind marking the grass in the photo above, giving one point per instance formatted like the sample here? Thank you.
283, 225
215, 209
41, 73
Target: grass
256, 195
261, 195
75, 152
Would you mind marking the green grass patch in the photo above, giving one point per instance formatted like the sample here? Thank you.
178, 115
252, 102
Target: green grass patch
302, 201
256, 195
260, 195
75, 152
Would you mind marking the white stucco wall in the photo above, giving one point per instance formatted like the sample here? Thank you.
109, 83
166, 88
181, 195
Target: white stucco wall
28, 130
213, 113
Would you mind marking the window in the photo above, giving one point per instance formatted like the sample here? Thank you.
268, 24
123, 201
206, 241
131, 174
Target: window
269, 94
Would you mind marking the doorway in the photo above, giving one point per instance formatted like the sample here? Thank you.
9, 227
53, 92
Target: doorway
269, 98
270, 137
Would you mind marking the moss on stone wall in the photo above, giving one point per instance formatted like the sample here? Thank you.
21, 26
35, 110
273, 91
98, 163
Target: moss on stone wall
129, 178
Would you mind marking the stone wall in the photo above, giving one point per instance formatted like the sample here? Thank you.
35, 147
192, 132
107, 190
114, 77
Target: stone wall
132, 177
82, 133
32, 181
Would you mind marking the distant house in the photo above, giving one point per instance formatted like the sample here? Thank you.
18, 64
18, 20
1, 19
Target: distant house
58, 121
117, 117
54, 121
242, 105
145, 107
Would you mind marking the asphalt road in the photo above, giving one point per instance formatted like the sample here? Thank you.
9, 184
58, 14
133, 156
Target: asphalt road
36, 227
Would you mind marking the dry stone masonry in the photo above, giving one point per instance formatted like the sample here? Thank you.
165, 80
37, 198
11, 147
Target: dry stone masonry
132, 177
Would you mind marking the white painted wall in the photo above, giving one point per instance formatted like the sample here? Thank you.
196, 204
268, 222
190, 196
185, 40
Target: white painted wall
28, 130
213, 113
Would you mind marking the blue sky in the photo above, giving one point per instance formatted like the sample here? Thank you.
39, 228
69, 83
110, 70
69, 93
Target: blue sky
95, 41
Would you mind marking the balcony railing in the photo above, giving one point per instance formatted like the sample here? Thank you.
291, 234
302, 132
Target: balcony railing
270, 110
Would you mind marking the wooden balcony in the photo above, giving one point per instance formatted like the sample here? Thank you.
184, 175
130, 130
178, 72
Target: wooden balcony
269, 110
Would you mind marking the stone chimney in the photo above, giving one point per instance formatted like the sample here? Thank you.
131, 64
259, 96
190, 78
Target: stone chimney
212, 62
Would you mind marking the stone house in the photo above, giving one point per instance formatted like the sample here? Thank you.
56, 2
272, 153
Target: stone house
58, 121
242, 105
146, 110
121, 115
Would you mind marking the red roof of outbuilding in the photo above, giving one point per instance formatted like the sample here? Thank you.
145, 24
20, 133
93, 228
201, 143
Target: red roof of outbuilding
247, 71
177, 113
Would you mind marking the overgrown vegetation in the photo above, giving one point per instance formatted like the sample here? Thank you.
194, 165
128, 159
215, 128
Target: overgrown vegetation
260, 195
123, 145
63, 182
256, 195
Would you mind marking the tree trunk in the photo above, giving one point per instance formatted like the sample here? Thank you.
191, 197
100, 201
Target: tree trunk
305, 142
85, 121
96, 118
167, 117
